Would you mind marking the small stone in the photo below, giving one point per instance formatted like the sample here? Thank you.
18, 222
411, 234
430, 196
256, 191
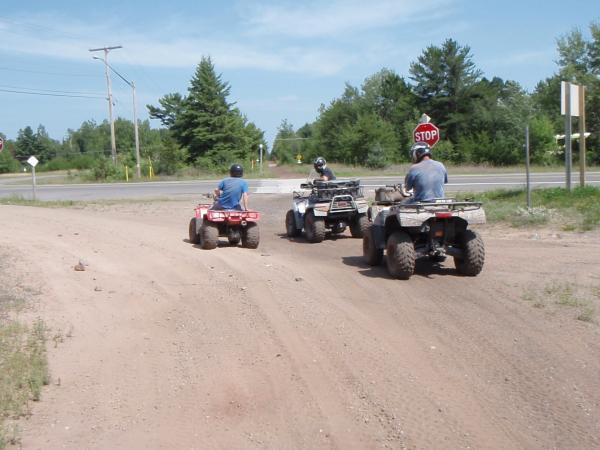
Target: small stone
79, 267
243, 288
298, 279
97, 289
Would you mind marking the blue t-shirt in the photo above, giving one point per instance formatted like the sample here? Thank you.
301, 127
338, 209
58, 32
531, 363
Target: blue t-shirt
427, 178
231, 192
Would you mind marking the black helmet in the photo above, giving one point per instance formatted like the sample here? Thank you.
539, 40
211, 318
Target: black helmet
236, 171
419, 150
320, 164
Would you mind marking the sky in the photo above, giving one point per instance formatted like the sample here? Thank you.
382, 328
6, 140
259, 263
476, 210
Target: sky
283, 59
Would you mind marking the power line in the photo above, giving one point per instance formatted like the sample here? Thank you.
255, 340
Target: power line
48, 94
53, 90
12, 69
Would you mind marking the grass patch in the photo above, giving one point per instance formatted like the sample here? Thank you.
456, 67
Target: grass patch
21, 201
24, 371
577, 210
566, 295
23, 359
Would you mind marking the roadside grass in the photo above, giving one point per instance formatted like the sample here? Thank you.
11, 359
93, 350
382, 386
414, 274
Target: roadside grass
565, 295
21, 201
577, 210
24, 370
399, 170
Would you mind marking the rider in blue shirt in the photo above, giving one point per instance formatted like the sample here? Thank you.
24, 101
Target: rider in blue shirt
425, 177
232, 192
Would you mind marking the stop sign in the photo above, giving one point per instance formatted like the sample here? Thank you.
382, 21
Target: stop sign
427, 132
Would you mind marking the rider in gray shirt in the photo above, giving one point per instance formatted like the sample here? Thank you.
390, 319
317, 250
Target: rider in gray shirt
426, 177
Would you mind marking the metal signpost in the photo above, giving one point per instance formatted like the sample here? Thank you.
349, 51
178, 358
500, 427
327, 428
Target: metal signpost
260, 169
33, 161
572, 103
527, 174
582, 135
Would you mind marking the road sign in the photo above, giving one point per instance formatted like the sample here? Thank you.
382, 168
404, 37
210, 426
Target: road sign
1, 144
33, 161
427, 132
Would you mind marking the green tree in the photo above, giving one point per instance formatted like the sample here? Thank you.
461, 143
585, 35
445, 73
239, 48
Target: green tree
444, 83
286, 145
25, 145
205, 124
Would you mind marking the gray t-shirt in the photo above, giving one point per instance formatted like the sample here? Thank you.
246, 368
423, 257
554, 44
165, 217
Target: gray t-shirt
427, 178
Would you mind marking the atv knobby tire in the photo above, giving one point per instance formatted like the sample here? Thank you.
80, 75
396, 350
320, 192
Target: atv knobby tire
234, 238
209, 235
290, 224
314, 227
473, 250
193, 233
250, 235
359, 226
371, 254
401, 255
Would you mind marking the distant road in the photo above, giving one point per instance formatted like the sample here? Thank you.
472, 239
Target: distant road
174, 189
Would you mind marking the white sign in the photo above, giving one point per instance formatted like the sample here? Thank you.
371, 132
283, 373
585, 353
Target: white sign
33, 161
1, 144
574, 98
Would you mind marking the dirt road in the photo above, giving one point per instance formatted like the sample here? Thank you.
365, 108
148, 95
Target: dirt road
161, 345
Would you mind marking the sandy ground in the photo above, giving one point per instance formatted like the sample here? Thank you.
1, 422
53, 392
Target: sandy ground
296, 345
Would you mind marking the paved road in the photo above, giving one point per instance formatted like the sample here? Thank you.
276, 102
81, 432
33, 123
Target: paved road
174, 189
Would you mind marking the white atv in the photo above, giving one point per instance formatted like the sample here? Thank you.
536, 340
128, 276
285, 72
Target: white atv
432, 229
327, 205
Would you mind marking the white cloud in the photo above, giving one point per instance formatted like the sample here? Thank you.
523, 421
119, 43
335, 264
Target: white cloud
74, 39
318, 19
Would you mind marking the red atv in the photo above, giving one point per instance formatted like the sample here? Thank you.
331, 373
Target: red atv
208, 224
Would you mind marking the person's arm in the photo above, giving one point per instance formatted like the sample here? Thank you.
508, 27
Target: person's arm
245, 201
219, 189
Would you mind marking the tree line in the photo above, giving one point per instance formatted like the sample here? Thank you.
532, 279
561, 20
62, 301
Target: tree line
482, 120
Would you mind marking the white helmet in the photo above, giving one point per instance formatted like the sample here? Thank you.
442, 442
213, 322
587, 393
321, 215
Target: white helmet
419, 150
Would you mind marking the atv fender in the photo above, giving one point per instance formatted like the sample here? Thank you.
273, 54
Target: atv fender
378, 236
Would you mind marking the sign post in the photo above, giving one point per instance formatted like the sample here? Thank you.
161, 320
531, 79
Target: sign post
33, 161
527, 171
427, 132
260, 169
581, 135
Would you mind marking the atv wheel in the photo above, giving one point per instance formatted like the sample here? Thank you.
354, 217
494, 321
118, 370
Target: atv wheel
400, 255
290, 224
314, 227
234, 237
209, 235
250, 235
471, 263
359, 226
371, 254
194, 236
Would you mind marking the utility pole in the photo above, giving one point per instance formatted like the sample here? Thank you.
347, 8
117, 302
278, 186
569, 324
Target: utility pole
113, 143
138, 170
131, 84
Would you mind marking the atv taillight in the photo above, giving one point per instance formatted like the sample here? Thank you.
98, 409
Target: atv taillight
252, 215
443, 215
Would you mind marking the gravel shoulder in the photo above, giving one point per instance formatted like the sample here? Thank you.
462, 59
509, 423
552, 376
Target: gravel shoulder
296, 345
